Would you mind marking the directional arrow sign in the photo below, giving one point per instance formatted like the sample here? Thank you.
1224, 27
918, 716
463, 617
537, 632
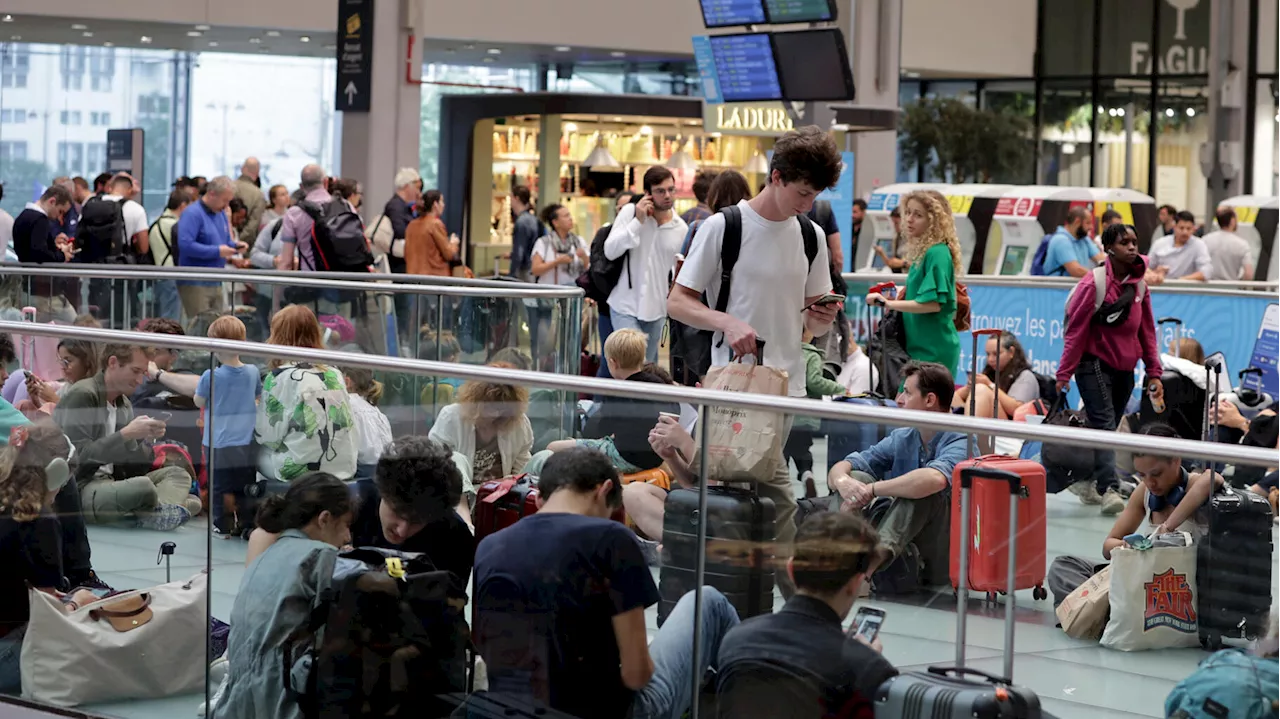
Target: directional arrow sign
355, 55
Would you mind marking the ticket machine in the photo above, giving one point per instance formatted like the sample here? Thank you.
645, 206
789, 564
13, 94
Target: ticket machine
1256, 219
880, 233
1024, 215
973, 207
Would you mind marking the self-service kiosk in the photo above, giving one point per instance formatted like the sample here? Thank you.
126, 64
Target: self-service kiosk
1024, 215
880, 233
1256, 219
974, 207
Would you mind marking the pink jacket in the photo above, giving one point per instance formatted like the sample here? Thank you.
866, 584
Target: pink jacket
1118, 347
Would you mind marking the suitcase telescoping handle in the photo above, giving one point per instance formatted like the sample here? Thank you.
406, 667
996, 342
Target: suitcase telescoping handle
1014, 481
1177, 333
973, 373
884, 356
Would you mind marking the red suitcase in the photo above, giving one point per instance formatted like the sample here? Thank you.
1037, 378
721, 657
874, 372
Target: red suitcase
501, 503
989, 529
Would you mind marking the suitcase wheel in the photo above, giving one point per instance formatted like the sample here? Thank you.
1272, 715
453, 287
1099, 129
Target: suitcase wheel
1039, 593
992, 597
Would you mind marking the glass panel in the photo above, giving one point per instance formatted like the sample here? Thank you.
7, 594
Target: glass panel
1014, 99
1122, 154
908, 168
1067, 29
1266, 140
1066, 133
1182, 109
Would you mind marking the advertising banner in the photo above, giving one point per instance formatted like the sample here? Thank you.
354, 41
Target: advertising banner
841, 199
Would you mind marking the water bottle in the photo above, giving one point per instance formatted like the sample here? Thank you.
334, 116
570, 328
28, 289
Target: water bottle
1157, 402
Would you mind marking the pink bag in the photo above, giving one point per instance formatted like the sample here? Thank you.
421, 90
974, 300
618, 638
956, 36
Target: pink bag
338, 327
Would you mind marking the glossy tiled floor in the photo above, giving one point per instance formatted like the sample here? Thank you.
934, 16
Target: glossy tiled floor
1073, 678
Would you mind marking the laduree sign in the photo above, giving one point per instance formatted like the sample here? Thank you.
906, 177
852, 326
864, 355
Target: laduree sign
747, 118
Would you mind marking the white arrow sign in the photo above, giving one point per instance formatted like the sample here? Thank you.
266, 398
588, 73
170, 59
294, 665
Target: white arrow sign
351, 92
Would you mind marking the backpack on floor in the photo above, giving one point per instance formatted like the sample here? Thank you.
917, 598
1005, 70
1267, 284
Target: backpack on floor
1230, 683
338, 243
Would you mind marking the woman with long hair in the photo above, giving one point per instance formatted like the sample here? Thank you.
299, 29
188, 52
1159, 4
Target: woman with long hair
428, 247
78, 359
728, 189
928, 306
365, 393
278, 202
294, 550
1008, 372
326, 439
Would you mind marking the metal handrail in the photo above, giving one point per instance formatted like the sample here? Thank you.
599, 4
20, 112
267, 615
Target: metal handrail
384, 283
1180, 287
935, 421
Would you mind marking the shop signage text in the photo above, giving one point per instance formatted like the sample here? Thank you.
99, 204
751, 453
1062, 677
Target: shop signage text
747, 119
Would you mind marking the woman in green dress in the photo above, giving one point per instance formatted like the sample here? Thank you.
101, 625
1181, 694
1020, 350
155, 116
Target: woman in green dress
928, 306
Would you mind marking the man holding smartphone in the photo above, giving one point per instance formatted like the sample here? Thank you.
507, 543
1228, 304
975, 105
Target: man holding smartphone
841, 671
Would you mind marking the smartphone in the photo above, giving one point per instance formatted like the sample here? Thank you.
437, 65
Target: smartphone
867, 623
829, 299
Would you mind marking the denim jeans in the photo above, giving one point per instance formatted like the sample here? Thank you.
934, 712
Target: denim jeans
652, 329
167, 302
10, 654
1105, 392
669, 692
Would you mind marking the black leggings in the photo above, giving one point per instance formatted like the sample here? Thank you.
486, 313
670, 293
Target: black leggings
798, 449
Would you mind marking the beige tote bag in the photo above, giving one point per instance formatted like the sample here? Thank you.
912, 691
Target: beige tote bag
142, 644
743, 445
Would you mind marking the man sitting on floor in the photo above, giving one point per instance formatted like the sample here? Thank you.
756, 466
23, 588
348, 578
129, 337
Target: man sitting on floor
560, 600
838, 674
912, 467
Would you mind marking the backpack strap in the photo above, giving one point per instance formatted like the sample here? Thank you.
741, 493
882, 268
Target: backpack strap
810, 237
730, 249
1099, 286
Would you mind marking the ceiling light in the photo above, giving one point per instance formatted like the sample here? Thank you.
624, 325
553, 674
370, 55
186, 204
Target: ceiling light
468, 47
79, 26
681, 160
194, 33
145, 39
617, 119
8, 18
213, 43
1100, 110
108, 44
273, 33
1111, 111
559, 48
1191, 112
618, 53
202, 28
646, 130
331, 47
600, 158
570, 127
305, 38
15, 38
255, 41
1168, 112
264, 50
488, 59
494, 51
87, 33
1119, 112
757, 165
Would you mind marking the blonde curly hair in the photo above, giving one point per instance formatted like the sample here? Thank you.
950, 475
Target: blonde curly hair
22, 479
942, 228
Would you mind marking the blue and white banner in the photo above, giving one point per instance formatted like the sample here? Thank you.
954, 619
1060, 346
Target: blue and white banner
841, 199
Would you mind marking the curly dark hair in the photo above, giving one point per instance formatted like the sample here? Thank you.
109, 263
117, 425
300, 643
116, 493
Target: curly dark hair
8, 353
161, 326
417, 477
807, 154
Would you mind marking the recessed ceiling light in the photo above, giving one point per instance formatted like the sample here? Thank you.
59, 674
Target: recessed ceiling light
255, 40
87, 33
449, 51
15, 38
468, 47
273, 33
264, 49
618, 53
202, 28
79, 26
494, 51
617, 119
331, 47
305, 38
563, 48
213, 43
145, 39
194, 33
488, 59
108, 44
1191, 112
8, 18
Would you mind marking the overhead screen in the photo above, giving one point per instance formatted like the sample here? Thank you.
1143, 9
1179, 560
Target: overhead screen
730, 13
809, 65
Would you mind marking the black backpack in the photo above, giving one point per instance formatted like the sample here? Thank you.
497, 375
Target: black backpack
602, 273
692, 345
338, 243
100, 235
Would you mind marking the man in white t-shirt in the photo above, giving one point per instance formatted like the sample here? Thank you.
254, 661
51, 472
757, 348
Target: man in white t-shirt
1231, 255
773, 288
651, 232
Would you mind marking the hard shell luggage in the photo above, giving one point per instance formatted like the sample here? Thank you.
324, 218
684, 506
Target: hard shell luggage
991, 522
946, 692
739, 551
1234, 571
501, 503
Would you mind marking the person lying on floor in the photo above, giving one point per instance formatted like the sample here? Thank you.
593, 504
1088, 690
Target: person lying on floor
913, 467
619, 427
1167, 496
645, 503
560, 600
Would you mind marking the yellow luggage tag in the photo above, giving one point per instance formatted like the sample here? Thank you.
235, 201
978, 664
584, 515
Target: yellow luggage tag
395, 568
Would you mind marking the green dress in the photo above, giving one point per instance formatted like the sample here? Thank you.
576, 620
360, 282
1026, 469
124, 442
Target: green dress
932, 337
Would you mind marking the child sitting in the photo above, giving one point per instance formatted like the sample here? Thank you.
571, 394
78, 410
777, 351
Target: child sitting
797, 448
234, 388
620, 426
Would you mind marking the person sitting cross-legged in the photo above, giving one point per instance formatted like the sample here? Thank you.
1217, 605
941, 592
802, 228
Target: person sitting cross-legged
560, 600
912, 467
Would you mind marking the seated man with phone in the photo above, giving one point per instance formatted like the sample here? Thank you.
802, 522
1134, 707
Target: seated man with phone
800, 662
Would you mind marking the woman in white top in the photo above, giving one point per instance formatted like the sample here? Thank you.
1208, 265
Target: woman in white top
278, 202
1017, 382
372, 425
559, 256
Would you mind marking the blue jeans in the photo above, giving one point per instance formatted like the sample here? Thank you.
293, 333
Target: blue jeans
167, 302
652, 329
10, 654
1105, 392
670, 692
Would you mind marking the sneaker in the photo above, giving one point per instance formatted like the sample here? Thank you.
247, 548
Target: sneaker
1112, 503
652, 552
91, 581
1086, 491
1126, 487
164, 518
810, 489
193, 505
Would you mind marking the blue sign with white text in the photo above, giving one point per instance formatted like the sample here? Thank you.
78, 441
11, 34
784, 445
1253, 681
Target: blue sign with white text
706, 61
1266, 349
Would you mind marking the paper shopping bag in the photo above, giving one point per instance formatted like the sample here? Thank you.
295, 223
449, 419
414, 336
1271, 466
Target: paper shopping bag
1153, 598
743, 445
1083, 614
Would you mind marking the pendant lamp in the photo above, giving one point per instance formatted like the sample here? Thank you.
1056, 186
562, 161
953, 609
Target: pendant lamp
757, 164
601, 157
681, 160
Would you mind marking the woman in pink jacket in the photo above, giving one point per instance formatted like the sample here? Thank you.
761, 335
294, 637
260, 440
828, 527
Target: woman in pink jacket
1102, 346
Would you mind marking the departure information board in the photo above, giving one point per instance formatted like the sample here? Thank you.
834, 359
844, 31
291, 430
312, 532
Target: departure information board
745, 67
787, 11
727, 13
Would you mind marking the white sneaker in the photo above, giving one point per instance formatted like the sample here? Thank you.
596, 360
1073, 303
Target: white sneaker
1086, 491
1112, 502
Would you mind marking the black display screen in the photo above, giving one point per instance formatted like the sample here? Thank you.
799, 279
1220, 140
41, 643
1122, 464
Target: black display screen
812, 65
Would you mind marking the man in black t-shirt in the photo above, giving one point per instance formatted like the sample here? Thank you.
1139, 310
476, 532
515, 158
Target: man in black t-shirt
827, 672
560, 600
409, 506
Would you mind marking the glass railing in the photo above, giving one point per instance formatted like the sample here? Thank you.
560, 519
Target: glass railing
781, 505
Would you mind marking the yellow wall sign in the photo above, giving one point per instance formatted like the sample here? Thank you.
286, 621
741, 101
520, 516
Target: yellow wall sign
747, 118
1124, 208
1246, 215
960, 204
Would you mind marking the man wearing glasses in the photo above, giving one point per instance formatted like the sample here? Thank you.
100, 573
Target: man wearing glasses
649, 234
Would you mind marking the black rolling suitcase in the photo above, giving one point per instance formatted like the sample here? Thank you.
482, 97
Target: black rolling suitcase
740, 536
946, 692
1234, 568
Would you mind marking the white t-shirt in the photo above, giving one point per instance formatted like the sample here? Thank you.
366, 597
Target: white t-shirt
6, 236
653, 248
769, 285
135, 216
1230, 254
111, 429
858, 373
562, 274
